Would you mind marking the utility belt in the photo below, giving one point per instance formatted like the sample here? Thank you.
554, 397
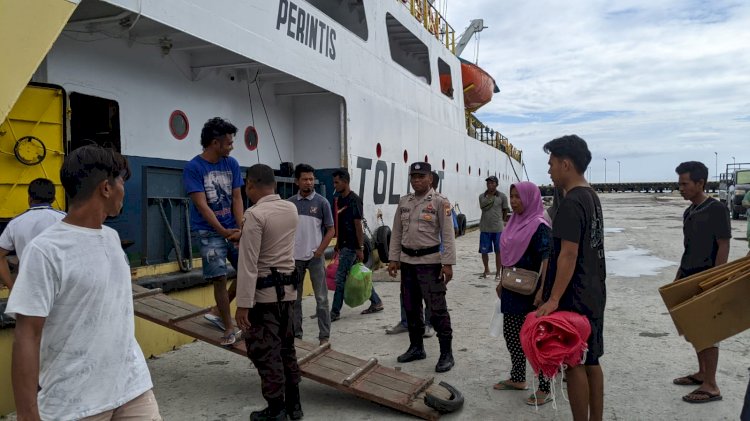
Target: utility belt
278, 281
420, 252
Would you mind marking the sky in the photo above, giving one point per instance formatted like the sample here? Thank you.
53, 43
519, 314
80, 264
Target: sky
649, 83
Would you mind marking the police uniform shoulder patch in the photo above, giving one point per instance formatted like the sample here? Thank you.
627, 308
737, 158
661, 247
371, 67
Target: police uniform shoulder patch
447, 208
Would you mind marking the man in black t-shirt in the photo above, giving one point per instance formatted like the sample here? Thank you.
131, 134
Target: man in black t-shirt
576, 274
707, 231
350, 240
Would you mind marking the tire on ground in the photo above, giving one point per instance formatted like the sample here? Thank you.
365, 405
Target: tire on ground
444, 406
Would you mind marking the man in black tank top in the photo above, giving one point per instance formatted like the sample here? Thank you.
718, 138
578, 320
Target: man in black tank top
707, 231
577, 272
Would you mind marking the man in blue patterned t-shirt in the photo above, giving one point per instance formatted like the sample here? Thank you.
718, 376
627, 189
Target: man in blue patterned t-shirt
213, 180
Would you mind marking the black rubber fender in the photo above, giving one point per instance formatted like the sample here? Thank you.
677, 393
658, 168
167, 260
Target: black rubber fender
445, 406
382, 236
461, 219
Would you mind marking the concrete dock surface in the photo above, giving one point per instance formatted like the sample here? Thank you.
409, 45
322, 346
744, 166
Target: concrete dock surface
643, 352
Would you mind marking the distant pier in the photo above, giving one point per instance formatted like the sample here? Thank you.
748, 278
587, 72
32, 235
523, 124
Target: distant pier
643, 187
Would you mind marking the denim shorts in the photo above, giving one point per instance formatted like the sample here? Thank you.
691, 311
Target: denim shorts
489, 242
215, 250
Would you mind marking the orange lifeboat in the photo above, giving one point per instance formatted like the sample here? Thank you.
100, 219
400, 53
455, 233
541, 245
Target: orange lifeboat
478, 86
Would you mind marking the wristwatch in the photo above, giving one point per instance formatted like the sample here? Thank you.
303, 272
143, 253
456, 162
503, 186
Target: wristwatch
362, 247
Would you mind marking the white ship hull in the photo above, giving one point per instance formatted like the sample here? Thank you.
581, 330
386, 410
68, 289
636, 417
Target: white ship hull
334, 101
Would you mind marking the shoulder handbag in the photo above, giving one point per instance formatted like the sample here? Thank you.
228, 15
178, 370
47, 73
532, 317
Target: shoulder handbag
518, 280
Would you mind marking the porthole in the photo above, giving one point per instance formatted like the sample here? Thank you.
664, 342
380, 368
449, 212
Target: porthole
406, 156
179, 125
251, 138
378, 150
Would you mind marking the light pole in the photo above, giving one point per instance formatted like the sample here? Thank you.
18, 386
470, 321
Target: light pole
734, 162
618, 173
716, 155
605, 170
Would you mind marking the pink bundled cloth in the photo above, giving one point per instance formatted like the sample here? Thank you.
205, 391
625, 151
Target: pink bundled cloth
555, 340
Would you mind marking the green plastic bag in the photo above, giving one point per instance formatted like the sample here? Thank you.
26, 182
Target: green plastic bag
358, 286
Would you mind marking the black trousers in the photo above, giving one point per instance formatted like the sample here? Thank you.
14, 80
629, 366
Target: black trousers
422, 283
270, 346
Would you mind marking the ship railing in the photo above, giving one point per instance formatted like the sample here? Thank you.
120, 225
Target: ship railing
483, 133
433, 22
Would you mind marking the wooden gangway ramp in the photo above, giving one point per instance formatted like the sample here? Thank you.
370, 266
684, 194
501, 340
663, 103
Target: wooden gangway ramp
363, 378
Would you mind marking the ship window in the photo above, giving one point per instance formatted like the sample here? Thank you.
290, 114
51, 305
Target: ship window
446, 82
94, 120
179, 125
407, 50
351, 15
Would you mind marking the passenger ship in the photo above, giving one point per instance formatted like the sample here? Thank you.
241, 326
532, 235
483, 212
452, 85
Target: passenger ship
369, 85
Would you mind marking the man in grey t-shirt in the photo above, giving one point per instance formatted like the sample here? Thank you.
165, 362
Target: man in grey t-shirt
494, 206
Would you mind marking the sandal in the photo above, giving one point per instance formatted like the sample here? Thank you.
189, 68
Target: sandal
215, 320
373, 309
701, 396
687, 381
230, 339
536, 400
506, 385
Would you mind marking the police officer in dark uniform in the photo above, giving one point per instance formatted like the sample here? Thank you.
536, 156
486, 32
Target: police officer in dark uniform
422, 220
266, 292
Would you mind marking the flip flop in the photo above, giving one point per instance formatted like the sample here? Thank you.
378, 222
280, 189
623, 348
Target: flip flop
710, 397
215, 320
231, 339
504, 385
539, 402
687, 381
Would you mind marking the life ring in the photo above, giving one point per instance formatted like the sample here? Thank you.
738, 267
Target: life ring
383, 242
26, 150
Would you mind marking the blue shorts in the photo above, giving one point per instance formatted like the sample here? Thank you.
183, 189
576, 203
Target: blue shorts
489, 242
215, 250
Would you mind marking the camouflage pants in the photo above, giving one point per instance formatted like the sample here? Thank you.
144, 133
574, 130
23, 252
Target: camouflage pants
270, 346
422, 283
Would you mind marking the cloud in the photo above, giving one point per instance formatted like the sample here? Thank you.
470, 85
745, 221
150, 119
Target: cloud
649, 83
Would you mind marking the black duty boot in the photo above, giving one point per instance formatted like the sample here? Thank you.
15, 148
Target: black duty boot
414, 353
445, 362
293, 405
274, 412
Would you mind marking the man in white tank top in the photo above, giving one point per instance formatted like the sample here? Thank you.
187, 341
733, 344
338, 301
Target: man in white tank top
24, 227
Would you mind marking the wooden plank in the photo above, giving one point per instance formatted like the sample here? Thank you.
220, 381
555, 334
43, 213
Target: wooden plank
368, 379
190, 315
359, 372
336, 365
320, 350
346, 358
420, 388
398, 375
177, 303
165, 307
147, 293
398, 385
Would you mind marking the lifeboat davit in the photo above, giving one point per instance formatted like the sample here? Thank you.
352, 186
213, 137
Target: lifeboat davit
478, 85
